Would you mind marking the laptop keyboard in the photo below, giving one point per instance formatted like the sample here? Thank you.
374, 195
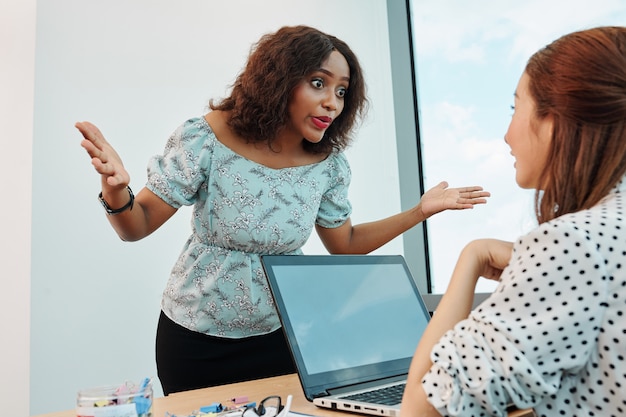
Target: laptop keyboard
387, 396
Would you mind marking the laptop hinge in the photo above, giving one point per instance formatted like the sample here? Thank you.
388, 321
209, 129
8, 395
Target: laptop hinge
366, 385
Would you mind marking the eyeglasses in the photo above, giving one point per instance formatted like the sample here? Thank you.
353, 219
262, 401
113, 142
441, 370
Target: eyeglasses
269, 407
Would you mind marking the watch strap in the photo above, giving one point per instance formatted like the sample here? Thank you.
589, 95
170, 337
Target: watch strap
128, 206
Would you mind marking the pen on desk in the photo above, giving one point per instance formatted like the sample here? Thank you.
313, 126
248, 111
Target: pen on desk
144, 384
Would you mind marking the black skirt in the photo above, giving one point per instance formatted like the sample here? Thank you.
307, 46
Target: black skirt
188, 360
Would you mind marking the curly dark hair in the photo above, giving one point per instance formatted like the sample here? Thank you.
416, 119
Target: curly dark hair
278, 62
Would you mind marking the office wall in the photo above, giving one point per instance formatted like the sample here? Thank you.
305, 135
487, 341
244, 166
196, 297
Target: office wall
138, 69
17, 63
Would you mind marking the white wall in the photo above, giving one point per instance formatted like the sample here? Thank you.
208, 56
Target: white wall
17, 64
138, 69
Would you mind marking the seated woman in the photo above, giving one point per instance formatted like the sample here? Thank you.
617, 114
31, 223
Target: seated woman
552, 336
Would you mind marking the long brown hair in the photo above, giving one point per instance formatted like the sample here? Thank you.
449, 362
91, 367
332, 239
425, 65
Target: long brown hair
278, 62
580, 81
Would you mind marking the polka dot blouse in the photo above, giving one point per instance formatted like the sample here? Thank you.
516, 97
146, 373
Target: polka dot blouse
552, 336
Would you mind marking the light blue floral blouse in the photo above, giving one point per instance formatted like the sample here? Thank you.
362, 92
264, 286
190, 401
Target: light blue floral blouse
242, 210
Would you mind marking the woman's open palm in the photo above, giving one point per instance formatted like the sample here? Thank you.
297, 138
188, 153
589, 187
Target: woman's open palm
440, 198
104, 158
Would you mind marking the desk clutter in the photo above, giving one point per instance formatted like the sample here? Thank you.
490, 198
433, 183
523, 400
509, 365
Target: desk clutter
123, 400
135, 400
271, 406
216, 410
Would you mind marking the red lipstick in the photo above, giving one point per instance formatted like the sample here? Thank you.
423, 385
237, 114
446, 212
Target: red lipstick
322, 122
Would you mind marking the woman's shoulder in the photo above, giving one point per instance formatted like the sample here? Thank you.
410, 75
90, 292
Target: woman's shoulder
608, 210
194, 132
593, 227
197, 125
338, 160
336, 168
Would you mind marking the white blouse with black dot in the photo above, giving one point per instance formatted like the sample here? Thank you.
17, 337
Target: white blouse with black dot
552, 336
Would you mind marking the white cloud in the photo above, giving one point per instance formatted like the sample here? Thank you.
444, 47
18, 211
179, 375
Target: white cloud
459, 31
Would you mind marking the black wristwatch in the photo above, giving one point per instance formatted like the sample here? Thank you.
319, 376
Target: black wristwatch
128, 206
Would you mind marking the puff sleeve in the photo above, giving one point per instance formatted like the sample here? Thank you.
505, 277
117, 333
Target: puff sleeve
532, 336
335, 208
177, 174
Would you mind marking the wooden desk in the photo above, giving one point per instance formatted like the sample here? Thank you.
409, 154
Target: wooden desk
183, 403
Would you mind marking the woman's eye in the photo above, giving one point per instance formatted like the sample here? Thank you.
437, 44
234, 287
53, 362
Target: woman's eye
317, 83
512, 108
341, 92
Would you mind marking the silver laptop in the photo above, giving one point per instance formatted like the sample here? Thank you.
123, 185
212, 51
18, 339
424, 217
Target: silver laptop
352, 323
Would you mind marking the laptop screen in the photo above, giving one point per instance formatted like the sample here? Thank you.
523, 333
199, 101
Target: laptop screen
347, 317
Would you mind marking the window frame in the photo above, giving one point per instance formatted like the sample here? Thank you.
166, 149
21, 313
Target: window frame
409, 146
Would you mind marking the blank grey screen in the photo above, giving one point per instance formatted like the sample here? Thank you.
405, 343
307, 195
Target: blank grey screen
346, 316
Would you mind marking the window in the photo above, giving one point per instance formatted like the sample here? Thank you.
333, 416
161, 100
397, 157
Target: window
468, 58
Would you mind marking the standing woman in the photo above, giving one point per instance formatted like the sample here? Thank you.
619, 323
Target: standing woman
262, 169
552, 336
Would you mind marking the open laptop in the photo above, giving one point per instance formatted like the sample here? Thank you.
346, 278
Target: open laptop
352, 323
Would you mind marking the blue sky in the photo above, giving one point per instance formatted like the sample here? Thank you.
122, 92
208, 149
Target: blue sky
470, 56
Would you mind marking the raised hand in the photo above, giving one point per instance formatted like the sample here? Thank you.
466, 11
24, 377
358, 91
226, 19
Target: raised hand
104, 158
440, 198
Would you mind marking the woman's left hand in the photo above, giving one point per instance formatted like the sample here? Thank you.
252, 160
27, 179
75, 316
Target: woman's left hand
485, 258
440, 198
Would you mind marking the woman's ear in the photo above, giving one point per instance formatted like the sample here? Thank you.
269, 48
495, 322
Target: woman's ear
546, 130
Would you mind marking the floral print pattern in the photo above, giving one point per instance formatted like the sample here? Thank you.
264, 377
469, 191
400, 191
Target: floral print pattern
241, 210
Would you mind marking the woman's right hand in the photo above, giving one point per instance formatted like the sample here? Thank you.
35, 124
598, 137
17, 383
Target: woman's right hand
104, 158
149, 211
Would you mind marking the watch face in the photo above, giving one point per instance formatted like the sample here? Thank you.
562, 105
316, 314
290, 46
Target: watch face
104, 203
